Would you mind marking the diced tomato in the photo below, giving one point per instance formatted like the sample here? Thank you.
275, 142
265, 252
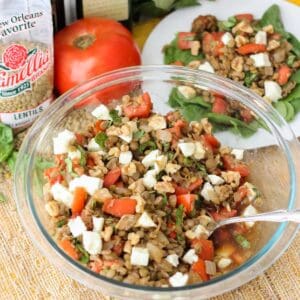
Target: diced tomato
90, 162
246, 115
206, 248
231, 165
119, 207
180, 190
220, 105
53, 175
284, 74
188, 201
112, 177
173, 234
80, 196
196, 184
199, 268
96, 266
69, 248
79, 139
139, 110
59, 160
210, 141
251, 48
177, 63
241, 17
240, 194
238, 258
184, 40
222, 235
212, 43
223, 214
99, 126
176, 129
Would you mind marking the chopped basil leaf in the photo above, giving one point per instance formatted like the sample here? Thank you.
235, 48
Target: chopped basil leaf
170, 155
138, 134
242, 241
164, 201
61, 223
150, 145
188, 162
249, 78
116, 119
2, 198
85, 257
100, 139
179, 215
82, 160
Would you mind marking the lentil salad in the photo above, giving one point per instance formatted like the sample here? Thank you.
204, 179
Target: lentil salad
132, 197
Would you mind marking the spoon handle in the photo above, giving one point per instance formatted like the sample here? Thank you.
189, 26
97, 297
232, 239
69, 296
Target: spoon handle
281, 215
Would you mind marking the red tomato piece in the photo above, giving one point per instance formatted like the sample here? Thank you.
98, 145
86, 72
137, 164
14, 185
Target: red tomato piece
141, 109
69, 248
180, 190
240, 194
207, 248
53, 175
212, 43
112, 177
196, 184
220, 105
211, 141
119, 207
188, 201
223, 214
251, 48
199, 268
80, 196
241, 17
184, 40
284, 74
231, 164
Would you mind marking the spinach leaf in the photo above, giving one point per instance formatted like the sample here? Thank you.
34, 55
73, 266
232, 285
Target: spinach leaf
185, 3
290, 60
149, 145
100, 139
83, 155
296, 105
138, 134
164, 200
116, 119
295, 43
228, 24
5, 151
296, 76
242, 241
294, 94
61, 223
290, 112
6, 134
193, 112
281, 108
249, 78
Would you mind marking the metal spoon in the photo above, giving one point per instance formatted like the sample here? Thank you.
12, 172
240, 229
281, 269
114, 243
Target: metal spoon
281, 215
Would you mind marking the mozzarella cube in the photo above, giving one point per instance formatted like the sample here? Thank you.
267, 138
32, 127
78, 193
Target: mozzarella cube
190, 257
93, 146
273, 90
145, 221
125, 157
126, 138
74, 154
187, 149
224, 263
261, 38
238, 153
227, 38
215, 180
207, 67
92, 242
76, 226
150, 158
206, 190
172, 168
250, 210
91, 184
101, 113
186, 91
61, 194
157, 122
199, 152
139, 256
261, 60
62, 142
98, 224
173, 259
160, 163
179, 279
197, 232
149, 179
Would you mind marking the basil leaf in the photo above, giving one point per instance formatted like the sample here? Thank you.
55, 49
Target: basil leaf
6, 134
116, 119
249, 78
100, 139
179, 215
242, 241
150, 145
2, 198
138, 134
85, 257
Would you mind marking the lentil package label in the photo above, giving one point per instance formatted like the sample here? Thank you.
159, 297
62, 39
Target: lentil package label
26, 60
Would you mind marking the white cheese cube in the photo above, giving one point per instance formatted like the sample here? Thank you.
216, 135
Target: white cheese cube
149, 179
261, 60
139, 256
273, 90
125, 157
215, 180
160, 163
238, 153
150, 158
172, 168
173, 259
199, 152
261, 38
98, 224
250, 210
93, 146
227, 38
76, 226
190, 257
101, 113
126, 138
62, 194
224, 263
186, 91
197, 232
145, 221
62, 142
187, 149
76, 154
179, 279
157, 122
207, 67
92, 242
91, 184
206, 190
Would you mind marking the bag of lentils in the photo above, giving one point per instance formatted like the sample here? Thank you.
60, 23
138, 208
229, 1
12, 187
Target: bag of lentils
26, 60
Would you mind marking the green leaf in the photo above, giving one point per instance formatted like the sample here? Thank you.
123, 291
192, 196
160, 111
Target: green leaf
296, 76
6, 134
249, 78
83, 155
164, 201
85, 257
61, 223
11, 161
294, 94
100, 139
5, 151
228, 24
164, 4
185, 3
242, 241
2, 198
296, 105
149, 145
179, 215
290, 112
193, 112
295, 43
116, 119
4, 68
138, 134
290, 60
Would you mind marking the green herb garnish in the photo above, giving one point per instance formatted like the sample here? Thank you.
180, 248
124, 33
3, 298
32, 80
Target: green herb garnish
85, 257
290, 60
2, 198
164, 201
116, 119
228, 24
138, 134
166, 147
179, 215
82, 160
242, 241
100, 139
61, 223
149, 145
249, 78
188, 162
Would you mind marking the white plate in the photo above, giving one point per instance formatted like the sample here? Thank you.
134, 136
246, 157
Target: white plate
181, 20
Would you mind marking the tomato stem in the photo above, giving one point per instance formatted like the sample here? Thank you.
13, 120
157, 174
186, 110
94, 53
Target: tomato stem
84, 41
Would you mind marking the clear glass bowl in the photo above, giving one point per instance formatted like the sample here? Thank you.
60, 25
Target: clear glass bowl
275, 176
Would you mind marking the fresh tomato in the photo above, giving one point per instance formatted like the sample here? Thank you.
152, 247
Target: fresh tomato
80, 196
90, 47
231, 164
241, 17
176, 129
199, 268
99, 126
119, 207
142, 109
206, 246
220, 105
112, 177
212, 43
185, 39
284, 74
69, 248
251, 48
195, 184
240, 194
223, 214
188, 201
53, 175
210, 141
180, 190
